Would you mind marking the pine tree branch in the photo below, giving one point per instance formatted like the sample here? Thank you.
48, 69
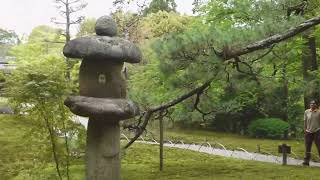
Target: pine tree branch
75, 1
265, 43
263, 55
61, 1
148, 114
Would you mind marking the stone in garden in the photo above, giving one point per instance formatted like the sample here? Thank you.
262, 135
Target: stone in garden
6, 110
102, 79
100, 108
103, 48
103, 57
102, 95
106, 26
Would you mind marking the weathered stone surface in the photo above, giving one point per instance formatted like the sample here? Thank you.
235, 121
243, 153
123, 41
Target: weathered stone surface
6, 110
102, 95
102, 79
103, 150
104, 48
102, 108
106, 26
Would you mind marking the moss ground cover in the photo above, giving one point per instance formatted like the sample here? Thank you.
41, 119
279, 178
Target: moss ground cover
140, 162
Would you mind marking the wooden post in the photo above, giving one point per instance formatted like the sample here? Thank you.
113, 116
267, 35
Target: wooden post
284, 154
285, 150
161, 142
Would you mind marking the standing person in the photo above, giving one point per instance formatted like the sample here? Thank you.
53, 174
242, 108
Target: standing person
311, 130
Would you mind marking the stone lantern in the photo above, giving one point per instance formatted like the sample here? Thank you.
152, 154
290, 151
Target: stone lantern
102, 95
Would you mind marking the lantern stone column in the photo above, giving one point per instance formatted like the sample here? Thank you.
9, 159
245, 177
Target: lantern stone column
102, 95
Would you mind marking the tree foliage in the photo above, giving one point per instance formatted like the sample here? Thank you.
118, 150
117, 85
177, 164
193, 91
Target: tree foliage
160, 5
37, 89
43, 40
266, 83
158, 24
86, 27
268, 128
189, 66
8, 37
7, 40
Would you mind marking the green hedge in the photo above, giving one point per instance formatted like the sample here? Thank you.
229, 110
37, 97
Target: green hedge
273, 128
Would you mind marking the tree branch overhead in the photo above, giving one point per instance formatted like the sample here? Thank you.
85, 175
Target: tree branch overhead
265, 43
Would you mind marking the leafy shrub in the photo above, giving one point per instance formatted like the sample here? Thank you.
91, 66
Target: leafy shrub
2, 77
268, 128
37, 89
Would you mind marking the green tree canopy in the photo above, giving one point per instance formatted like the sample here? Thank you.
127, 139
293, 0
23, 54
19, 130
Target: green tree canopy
7, 40
8, 37
45, 34
160, 5
86, 27
43, 40
246, 86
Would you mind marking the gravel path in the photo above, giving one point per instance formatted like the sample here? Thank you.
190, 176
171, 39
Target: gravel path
234, 153
222, 151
